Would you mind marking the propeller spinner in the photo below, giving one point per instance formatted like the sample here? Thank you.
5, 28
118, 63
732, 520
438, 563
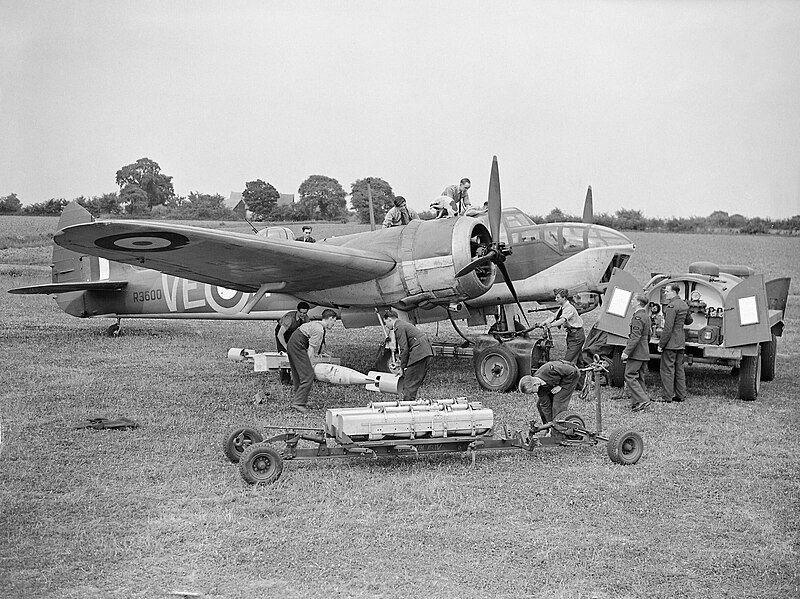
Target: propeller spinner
496, 251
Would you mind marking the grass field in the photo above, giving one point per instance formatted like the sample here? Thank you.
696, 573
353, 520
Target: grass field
711, 510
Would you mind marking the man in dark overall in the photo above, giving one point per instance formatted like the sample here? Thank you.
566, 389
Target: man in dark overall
672, 345
415, 351
304, 344
287, 325
637, 353
554, 382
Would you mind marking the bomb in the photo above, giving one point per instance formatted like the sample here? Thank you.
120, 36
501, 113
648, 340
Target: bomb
381, 382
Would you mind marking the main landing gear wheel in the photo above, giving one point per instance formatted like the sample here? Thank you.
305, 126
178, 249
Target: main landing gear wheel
238, 440
260, 464
625, 446
750, 376
568, 416
496, 369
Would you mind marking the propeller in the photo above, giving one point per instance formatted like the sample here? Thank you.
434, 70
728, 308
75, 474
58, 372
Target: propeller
588, 208
496, 252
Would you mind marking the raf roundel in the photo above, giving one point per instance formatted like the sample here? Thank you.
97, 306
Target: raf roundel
157, 241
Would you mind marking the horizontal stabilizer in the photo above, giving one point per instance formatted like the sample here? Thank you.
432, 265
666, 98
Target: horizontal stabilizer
51, 288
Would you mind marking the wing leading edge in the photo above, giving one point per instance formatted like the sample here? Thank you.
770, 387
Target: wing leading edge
233, 260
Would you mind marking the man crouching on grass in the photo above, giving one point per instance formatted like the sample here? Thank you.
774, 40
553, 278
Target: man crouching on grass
554, 382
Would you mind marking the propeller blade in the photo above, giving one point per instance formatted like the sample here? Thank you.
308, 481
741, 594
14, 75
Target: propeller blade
510, 284
588, 207
495, 204
486, 258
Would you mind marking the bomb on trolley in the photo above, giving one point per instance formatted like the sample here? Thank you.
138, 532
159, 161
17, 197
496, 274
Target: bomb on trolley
396, 428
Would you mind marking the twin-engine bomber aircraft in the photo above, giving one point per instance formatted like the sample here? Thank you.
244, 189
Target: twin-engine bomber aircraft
430, 270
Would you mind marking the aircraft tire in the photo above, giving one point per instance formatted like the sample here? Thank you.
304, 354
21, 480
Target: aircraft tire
496, 369
750, 376
238, 440
568, 416
624, 446
769, 350
617, 372
260, 464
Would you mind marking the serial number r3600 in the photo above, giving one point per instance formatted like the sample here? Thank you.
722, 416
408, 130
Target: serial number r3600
147, 296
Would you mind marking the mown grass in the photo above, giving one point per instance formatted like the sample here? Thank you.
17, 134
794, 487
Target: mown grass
711, 510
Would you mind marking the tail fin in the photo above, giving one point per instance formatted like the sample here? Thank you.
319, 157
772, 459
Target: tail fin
69, 266
588, 207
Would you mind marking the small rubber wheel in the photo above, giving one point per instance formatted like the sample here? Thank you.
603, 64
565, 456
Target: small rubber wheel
239, 439
260, 464
750, 376
113, 331
625, 446
568, 416
496, 369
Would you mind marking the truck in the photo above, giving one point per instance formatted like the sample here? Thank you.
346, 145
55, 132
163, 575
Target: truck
737, 318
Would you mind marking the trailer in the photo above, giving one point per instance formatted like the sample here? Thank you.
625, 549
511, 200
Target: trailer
397, 428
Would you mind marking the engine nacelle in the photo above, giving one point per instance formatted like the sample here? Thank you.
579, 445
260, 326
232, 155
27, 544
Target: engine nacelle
428, 254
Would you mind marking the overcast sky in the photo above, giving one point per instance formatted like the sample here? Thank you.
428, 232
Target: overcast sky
671, 108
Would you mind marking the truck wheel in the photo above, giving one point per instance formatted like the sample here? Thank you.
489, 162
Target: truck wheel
496, 369
617, 372
238, 440
568, 416
750, 376
769, 350
624, 446
260, 464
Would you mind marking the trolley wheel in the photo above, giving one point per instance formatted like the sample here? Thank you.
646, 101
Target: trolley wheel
496, 368
750, 376
238, 440
260, 464
769, 350
616, 373
624, 446
113, 331
568, 416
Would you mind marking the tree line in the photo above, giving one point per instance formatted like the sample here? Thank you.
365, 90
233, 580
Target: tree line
144, 191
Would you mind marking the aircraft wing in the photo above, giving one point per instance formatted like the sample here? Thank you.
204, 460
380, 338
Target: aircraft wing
237, 261
54, 288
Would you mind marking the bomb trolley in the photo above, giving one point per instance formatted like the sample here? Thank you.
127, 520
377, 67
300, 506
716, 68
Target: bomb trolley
388, 429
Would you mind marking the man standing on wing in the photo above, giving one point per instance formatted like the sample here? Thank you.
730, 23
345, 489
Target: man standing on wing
672, 345
637, 353
304, 345
415, 352
459, 194
399, 215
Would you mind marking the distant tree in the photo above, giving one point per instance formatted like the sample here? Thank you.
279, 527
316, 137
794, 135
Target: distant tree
605, 219
205, 206
558, 216
323, 197
147, 176
288, 212
51, 207
260, 198
134, 199
736, 221
10, 204
108, 203
718, 218
382, 198
630, 220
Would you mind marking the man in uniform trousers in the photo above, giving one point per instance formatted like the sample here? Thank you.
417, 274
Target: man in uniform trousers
637, 353
415, 351
554, 382
672, 345
304, 344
